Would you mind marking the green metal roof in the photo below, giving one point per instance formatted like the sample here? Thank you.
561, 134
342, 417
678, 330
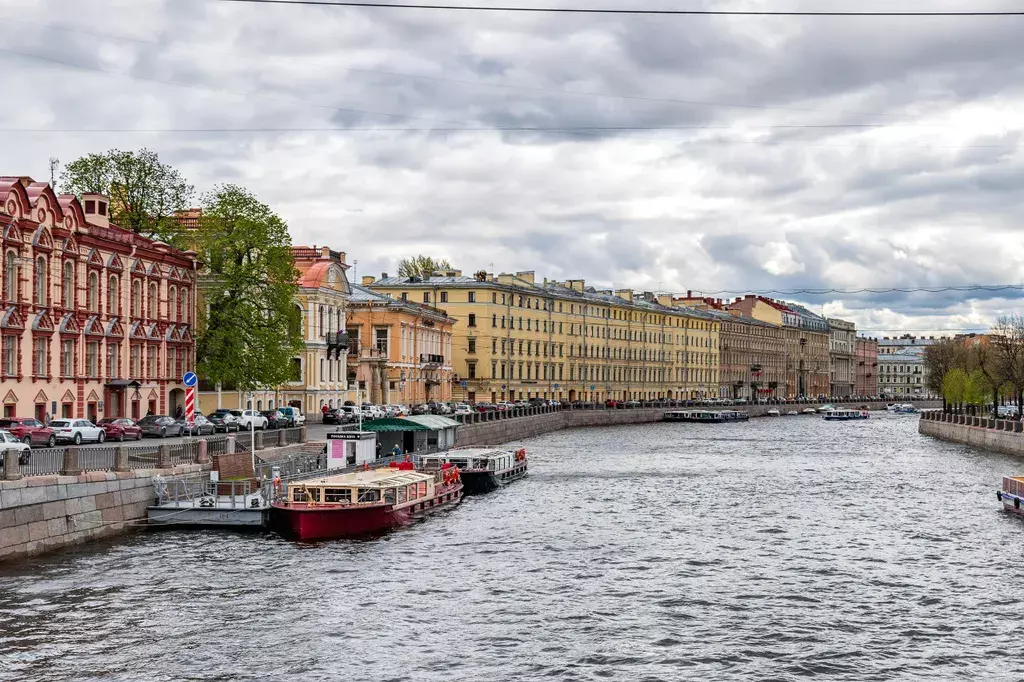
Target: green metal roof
393, 424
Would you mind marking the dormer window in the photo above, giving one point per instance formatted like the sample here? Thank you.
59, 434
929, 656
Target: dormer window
102, 205
90, 206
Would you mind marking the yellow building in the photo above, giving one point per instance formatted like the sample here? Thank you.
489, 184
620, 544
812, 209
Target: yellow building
399, 352
517, 338
322, 366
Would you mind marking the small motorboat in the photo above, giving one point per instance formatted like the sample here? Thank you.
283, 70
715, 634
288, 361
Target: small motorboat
1012, 493
481, 469
810, 410
792, 413
774, 413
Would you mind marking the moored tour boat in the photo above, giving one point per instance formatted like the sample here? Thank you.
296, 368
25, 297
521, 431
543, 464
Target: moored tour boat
774, 413
810, 410
362, 502
706, 416
481, 469
845, 415
1012, 494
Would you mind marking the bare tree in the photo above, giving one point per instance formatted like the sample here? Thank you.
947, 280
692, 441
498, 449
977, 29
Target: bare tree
940, 359
1008, 343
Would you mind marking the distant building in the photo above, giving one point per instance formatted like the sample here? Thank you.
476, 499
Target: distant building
842, 340
907, 342
901, 374
866, 367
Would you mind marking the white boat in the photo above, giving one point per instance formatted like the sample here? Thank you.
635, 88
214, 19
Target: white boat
845, 415
810, 410
825, 409
774, 413
792, 413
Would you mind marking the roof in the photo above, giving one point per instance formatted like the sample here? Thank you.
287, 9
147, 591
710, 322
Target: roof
432, 421
362, 295
374, 478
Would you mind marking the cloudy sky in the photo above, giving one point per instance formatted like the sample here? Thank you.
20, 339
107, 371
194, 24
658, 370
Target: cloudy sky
704, 153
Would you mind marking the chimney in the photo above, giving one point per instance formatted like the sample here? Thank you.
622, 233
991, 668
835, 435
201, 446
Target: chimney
383, 275
325, 252
368, 280
625, 294
576, 284
689, 294
665, 300
526, 275
97, 209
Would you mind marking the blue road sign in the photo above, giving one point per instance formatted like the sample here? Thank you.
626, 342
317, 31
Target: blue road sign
556, 385
190, 379
465, 384
591, 387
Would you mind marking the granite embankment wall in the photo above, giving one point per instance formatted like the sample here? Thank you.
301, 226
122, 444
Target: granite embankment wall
500, 431
42, 513
997, 435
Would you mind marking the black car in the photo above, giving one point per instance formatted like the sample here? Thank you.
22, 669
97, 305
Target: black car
335, 416
420, 409
272, 422
223, 421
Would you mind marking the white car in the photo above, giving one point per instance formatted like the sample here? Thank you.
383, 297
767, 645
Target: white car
8, 441
77, 430
397, 410
463, 408
250, 419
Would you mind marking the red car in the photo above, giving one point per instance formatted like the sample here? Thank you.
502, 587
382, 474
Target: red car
29, 430
120, 428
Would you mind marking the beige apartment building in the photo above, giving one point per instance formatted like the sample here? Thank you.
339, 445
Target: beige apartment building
842, 347
517, 338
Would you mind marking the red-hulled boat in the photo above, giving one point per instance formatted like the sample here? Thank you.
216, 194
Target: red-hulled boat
362, 502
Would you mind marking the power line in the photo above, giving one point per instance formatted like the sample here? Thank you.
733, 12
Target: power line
635, 12
869, 290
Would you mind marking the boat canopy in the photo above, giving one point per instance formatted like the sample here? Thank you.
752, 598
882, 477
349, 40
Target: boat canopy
374, 478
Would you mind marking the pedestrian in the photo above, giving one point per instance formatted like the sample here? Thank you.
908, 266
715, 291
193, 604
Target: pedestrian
179, 412
323, 410
396, 451
378, 449
46, 419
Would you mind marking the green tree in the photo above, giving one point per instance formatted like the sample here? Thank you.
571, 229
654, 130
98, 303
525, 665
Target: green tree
415, 266
144, 193
940, 359
249, 331
976, 389
954, 386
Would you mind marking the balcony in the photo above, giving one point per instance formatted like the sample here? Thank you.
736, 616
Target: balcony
369, 354
336, 343
431, 361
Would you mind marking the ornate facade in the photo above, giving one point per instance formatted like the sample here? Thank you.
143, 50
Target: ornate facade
96, 320
842, 339
866, 367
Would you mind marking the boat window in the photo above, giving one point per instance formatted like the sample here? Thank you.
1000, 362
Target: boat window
401, 494
304, 494
368, 495
423, 489
338, 495
389, 495
413, 491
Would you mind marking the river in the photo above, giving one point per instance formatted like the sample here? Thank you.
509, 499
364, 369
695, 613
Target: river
774, 549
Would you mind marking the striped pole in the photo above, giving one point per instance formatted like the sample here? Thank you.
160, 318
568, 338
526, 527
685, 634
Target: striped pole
190, 405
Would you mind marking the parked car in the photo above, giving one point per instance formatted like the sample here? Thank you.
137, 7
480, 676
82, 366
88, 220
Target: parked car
420, 409
271, 417
120, 428
29, 430
223, 420
463, 408
77, 431
201, 426
350, 413
8, 441
292, 415
334, 416
159, 426
250, 419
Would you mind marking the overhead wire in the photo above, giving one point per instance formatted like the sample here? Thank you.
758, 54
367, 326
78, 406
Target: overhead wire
632, 12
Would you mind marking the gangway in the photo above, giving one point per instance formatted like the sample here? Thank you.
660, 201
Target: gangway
196, 500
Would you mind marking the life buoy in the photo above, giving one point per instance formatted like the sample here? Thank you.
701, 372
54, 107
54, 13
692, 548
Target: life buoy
277, 483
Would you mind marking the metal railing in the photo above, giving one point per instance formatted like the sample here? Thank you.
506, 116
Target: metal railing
185, 453
97, 459
143, 456
292, 436
44, 461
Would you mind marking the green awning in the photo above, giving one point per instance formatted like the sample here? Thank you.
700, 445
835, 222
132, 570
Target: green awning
393, 424
434, 422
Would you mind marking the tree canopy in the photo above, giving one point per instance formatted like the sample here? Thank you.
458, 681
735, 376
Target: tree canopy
251, 329
144, 192
415, 266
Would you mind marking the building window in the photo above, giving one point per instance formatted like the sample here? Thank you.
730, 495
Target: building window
494, 321
151, 363
444, 297
494, 368
136, 299
405, 296
172, 299
471, 348
68, 286
471, 370
296, 369
472, 297
426, 297
93, 293
381, 338
136, 361
113, 296
10, 355
67, 358
172, 357
113, 359
153, 306
494, 346
183, 296
472, 320
92, 354
494, 297
39, 357
10, 275
41, 281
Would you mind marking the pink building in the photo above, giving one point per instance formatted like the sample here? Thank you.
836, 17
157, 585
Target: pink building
95, 321
866, 366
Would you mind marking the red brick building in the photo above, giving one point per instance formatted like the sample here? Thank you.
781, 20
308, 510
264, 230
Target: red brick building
865, 365
95, 321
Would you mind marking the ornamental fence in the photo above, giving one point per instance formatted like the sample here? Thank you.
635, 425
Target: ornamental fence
984, 422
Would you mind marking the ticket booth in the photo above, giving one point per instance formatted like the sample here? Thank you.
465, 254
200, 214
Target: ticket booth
346, 448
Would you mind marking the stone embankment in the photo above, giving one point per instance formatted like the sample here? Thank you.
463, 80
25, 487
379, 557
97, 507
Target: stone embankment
494, 429
997, 435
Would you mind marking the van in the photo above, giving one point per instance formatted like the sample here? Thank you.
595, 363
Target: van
291, 415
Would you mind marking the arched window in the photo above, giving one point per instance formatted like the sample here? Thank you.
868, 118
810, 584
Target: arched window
320, 331
330, 319
136, 298
41, 281
10, 276
113, 296
297, 329
68, 285
153, 306
184, 305
172, 301
93, 293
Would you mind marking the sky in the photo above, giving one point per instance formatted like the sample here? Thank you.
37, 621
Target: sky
713, 154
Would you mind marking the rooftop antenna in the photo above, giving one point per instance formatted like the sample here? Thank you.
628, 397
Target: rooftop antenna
54, 165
